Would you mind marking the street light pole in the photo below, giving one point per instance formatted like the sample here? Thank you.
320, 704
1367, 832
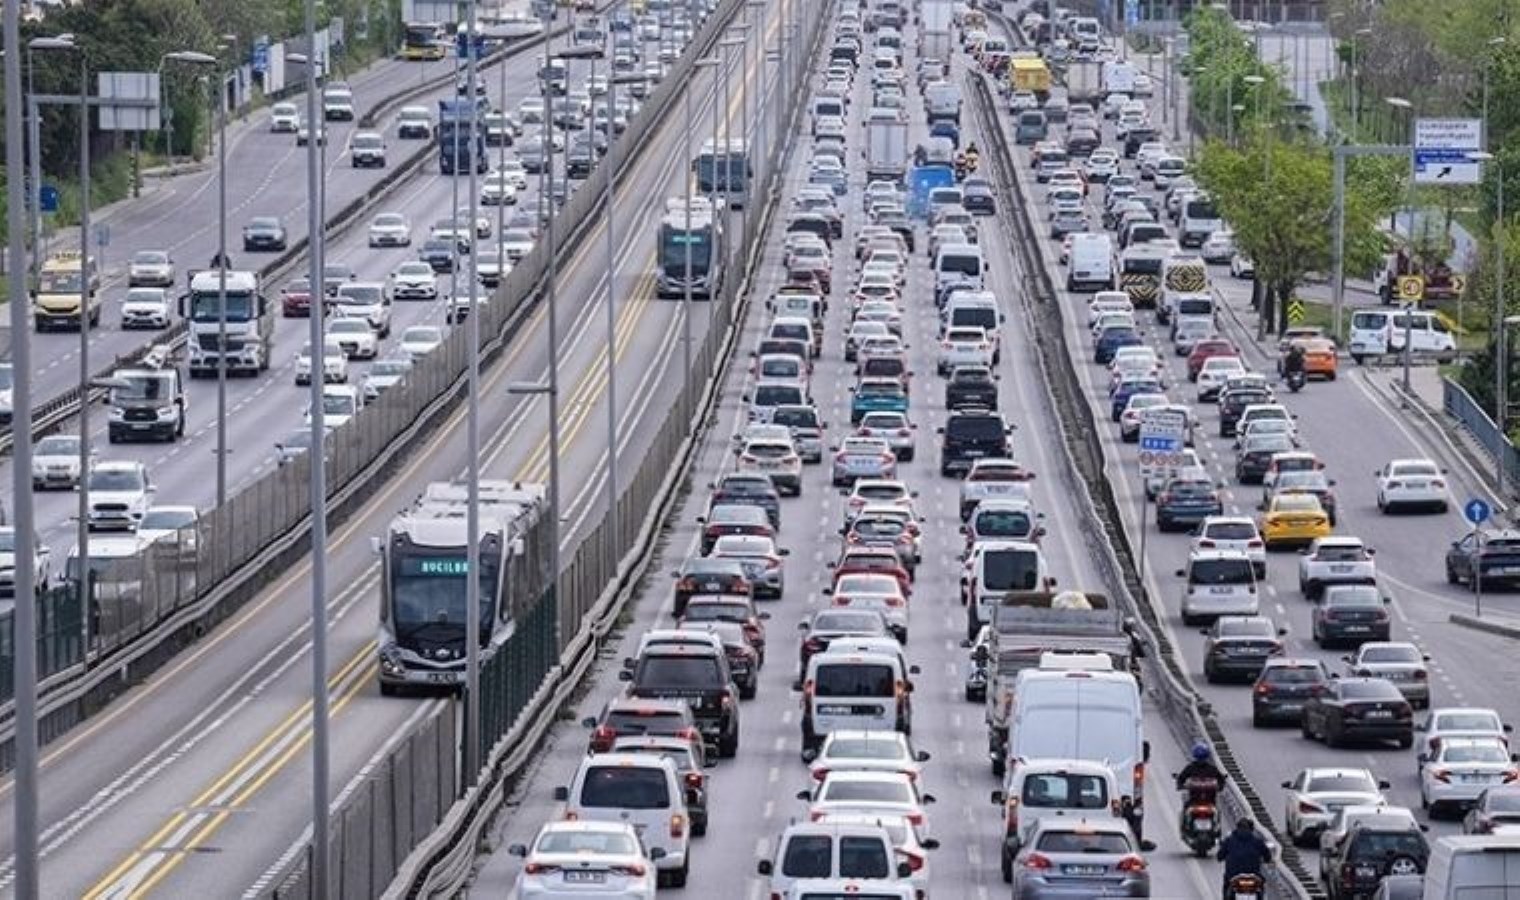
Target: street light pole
221, 290
24, 810
1403, 104
317, 457
1488, 65
472, 335
1501, 349
610, 161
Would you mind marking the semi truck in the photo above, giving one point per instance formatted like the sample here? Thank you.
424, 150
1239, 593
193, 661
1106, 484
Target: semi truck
1084, 81
249, 322
886, 150
424, 579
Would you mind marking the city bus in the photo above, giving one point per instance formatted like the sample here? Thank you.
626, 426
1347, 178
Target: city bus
425, 41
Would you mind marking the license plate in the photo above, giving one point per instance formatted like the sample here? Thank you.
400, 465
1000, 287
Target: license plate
1203, 824
1418, 485
1221, 591
1506, 570
140, 426
1355, 629
574, 877
1379, 714
1473, 779
440, 677
830, 710
1340, 568
1084, 870
1365, 872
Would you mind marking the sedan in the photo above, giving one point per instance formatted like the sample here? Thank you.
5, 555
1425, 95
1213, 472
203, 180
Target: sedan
145, 307
414, 281
1496, 811
877, 591
761, 560
867, 751
295, 298
1461, 769
1218, 248
55, 462
1291, 519
1455, 722
1398, 662
1315, 794
587, 856
1186, 501
334, 363
355, 336
1283, 687
385, 373
1350, 613
1491, 556
894, 793
390, 230
439, 254
1407, 483
420, 340
150, 268
1065, 857
859, 457
1370, 709
1238, 647
892, 427
264, 233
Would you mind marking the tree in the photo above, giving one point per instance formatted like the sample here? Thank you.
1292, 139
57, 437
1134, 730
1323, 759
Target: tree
1279, 198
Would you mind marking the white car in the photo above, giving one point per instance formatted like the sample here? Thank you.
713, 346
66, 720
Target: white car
1399, 662
498, 189
385, 373
150, 268
390, 229
1101, 165
119, 491
1022, 100
1241, 266
145, 307
340, 402
175, 525
530, 111
1218, 247
40, 553
1142, 86
55, 462
776, 458
1405, 483
1233, 533
511, 170
334, 363
965, 346
892, 793
1215, 372
1108, 302
1460, 769
516, 243
867, 751
1315, 794
284, 117
909, 849
595, 858
420, 340
1458, 722
355, 336
414, 280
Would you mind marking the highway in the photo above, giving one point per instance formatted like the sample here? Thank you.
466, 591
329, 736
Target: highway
752, 797
262, 411
1353, 427
196, 782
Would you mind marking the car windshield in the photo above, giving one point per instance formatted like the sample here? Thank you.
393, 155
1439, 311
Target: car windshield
1428, 470
116, 480
337, 404
1385, 845
865, 748
1390, 655
1474, 752
848, 621
166, 520
1292, 675
1359, 782
1065, 790
1084, 842
1230, 531
854, 680
57, 445
1465, 721
389, 367
1296, 503
867, 791
625, 787
1221, 572
662, 672
588, 843
1369, 689
1353, 595
150, 258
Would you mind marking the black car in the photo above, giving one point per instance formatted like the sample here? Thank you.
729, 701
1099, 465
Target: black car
828, 624
977, 197
1364, 709
969, 435
744, 659
580, 157
1251, 462
1238, 647
264, 233
1350, 614
1134, 138
753, 490
1496, 806
701, 678
1376, 847
1283, 687
733, 518
701, 575
971, 387
1492, 554
1233, 403
438, 253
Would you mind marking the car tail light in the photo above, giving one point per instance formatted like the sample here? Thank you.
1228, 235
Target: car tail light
1164, 498
534, 868
727, 698
894, 600
634, 870
1254, 543
1403, 710
1263, 689
820, 774
1510, 775
916, 819
1206, 543
1421, 675
695, 779
686, 584
1304, 806
888, 458
813, 645
602, 738
1139, 776
1131, 864
1395, 484
915, 861
903, 432
689, 734
1441, 775
677, 825
841, 600
1037, 861
1438, 483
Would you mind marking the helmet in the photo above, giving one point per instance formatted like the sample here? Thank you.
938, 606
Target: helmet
1201, 751
1245, 824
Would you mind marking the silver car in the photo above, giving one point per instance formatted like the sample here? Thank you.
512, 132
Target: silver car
1067, 857
860, 457
892, 427
1399, 662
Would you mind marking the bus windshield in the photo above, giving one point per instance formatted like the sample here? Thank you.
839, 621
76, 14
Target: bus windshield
675, 243
429, 589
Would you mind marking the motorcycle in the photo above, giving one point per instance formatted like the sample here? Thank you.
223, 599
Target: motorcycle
1245, 886
1200, 815
1295, 380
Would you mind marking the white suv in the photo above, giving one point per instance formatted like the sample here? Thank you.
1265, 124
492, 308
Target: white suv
119, 491
642, 790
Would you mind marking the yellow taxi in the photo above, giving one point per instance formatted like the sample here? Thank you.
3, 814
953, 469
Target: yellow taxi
1293, 518
1319, 356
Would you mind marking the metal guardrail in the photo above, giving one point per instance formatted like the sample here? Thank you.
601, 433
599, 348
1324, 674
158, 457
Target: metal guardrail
1460, 405
1187, 713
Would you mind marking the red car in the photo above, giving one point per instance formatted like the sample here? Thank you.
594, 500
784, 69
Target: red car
295, 299
1206, 350
873, 560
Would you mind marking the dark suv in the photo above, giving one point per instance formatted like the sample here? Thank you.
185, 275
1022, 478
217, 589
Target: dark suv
1377, 846
699, 676
969, 435
971, 387
1283, 687
702, 575
1238, 647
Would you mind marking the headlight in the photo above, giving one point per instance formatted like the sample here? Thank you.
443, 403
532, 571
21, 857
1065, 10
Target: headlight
164, 412
116, 414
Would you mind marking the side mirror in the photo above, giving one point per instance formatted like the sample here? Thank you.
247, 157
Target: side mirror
1147, 846
656, 854
913, 670
561, 793
764, 866
1181, 573
929, 843
629, 662
625, 675
764, 616
904, 870
804, 795
1287, 785
374, 542
1384, 785
515, 849
998, 798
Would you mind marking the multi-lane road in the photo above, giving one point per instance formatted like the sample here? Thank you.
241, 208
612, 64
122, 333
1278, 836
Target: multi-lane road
196, 782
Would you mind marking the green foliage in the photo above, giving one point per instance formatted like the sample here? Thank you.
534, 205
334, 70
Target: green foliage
1220, 60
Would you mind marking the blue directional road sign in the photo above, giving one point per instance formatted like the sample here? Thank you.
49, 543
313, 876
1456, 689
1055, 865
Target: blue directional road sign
1477, 510
1443, 150
47, 198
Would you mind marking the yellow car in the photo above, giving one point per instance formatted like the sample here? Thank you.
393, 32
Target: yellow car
1293, 518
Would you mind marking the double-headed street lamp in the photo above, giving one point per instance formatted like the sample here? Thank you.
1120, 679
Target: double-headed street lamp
705, 63
1400, 103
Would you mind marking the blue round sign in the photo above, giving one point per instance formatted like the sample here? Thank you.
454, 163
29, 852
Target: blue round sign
1477, 511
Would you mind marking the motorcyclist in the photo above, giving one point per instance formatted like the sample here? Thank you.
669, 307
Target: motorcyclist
1243, 852
971, 156
1293, 363
920, 155
1200, 779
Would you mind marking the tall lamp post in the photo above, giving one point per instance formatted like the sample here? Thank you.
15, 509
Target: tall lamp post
1399, 103
705, 63
1488, 65
1356, 100
1501, 348
476, 146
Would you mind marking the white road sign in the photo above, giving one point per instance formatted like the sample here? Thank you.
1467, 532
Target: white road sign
1443, 150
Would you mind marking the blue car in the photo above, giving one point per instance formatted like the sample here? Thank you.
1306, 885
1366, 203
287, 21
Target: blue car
1127, 389
1185, 502
878, 395
1111, 339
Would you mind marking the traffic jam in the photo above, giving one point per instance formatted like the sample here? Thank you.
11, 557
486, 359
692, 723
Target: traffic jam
862, 270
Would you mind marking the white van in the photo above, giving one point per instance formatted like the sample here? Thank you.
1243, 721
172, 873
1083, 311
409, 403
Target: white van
974, 309
642, 790
827, 108
1218, 583
957, 265
1090, 266
1375, 332
854, 691
809, 850
1042, 788
995, 569
1474, 866
1083, 715
1199, 219
767, 395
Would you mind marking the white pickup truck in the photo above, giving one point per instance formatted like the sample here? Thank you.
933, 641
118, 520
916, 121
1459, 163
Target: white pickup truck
1335, 560
994, 478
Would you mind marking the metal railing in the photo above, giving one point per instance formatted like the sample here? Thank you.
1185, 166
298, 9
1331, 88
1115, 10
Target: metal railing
1460, 405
